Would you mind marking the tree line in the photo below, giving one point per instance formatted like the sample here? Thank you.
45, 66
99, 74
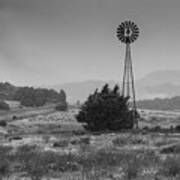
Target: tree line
160, 104
30, 96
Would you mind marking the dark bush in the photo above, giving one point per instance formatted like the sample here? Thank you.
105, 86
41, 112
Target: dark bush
79, 132
4, 106
106, 110
62, 143
177, 128
85, 140
3, 123
16, 138
61, 106
156, 129
14, 117
171, 149
146, 128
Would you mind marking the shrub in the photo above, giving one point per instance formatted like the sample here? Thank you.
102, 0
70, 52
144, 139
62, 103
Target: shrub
62, 143
177, 128
4, 105
156, 129
14, 117
16, 138
61, 106
85, 140
106, 110
3, 123
120, 141
171, 149
78, 132
164, 142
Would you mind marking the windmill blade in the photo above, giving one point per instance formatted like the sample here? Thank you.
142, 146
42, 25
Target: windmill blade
132, 23
123, 25
136, 31
136, 28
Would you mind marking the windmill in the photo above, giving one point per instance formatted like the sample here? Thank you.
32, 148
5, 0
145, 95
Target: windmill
128, 32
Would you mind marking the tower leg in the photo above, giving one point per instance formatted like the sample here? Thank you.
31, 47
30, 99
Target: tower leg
128, 87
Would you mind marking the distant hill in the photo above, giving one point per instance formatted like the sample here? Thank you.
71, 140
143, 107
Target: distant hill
163, 89
160, 77
160, 104
160, 84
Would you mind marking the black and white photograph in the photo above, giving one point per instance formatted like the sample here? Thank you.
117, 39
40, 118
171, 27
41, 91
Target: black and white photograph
89, 90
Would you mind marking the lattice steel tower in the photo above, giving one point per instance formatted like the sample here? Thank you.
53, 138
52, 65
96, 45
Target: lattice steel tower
128, 32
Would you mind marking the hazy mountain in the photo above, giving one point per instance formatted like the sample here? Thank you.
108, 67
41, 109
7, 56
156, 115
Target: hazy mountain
159, 84
156, 84
160, 77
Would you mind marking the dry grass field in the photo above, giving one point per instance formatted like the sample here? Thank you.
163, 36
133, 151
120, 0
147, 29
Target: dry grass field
45, 144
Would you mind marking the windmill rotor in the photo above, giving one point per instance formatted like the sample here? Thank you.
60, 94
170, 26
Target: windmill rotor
127, 32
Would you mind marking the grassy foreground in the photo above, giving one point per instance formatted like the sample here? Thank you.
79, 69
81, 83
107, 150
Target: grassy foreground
54, 146
119, 160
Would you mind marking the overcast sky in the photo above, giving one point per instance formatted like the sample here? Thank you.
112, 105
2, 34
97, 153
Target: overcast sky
56, 41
